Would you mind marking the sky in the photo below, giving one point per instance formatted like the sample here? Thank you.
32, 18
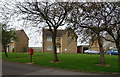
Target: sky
34, 33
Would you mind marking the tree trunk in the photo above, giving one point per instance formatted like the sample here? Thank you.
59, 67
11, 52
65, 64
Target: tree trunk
5, 51
102, 57
54, 46
118, 48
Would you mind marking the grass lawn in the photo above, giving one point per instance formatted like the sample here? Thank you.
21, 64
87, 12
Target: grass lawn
73, 61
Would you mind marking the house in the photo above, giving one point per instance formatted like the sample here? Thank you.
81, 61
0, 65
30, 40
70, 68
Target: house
94, 44
65, 43
106, 45
21, 44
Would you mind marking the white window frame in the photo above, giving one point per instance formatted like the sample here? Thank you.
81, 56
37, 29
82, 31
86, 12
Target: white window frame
49, 38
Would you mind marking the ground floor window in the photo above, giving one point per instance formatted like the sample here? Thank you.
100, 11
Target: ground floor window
49, 48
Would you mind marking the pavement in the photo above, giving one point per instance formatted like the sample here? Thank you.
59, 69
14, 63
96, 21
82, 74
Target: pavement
0, 67
13, 68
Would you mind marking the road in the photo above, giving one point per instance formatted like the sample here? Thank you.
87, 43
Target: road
13, 68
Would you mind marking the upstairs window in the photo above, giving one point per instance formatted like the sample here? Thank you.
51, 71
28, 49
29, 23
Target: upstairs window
49, 38
70, 39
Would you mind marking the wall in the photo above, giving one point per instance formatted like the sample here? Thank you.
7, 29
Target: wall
64, 44
22, 43
37, 49
94, 45
67, 47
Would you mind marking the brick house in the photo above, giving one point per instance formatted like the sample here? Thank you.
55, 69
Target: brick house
93, 44
21, 44
65, 42
106, 45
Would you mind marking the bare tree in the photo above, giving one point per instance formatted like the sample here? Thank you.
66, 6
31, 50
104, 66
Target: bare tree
112, 25
87, 17
53, 14
6, 33
99, 17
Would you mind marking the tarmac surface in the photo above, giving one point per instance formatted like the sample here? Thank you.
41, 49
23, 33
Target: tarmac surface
14, 68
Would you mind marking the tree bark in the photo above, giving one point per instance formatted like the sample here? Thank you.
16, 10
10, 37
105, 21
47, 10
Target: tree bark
118, 48
54, 46
5, 51
102, 57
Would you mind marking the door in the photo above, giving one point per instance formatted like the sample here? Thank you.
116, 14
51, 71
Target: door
58, 50
78, 50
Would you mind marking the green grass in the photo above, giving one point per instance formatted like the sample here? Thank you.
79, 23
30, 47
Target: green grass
0, 55
74, 61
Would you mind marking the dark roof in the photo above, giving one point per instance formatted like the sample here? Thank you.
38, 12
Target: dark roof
60, 33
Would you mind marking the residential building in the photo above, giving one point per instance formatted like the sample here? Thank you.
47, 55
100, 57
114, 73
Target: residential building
21, 44
106, 45
94, 44
65, 42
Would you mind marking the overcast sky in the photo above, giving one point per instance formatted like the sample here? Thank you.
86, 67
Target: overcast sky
34, 33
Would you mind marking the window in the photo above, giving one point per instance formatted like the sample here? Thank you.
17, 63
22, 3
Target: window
49, 48
57, 39
49, 38
70, 39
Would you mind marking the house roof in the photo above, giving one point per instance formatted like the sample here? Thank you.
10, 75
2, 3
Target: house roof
59, 32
